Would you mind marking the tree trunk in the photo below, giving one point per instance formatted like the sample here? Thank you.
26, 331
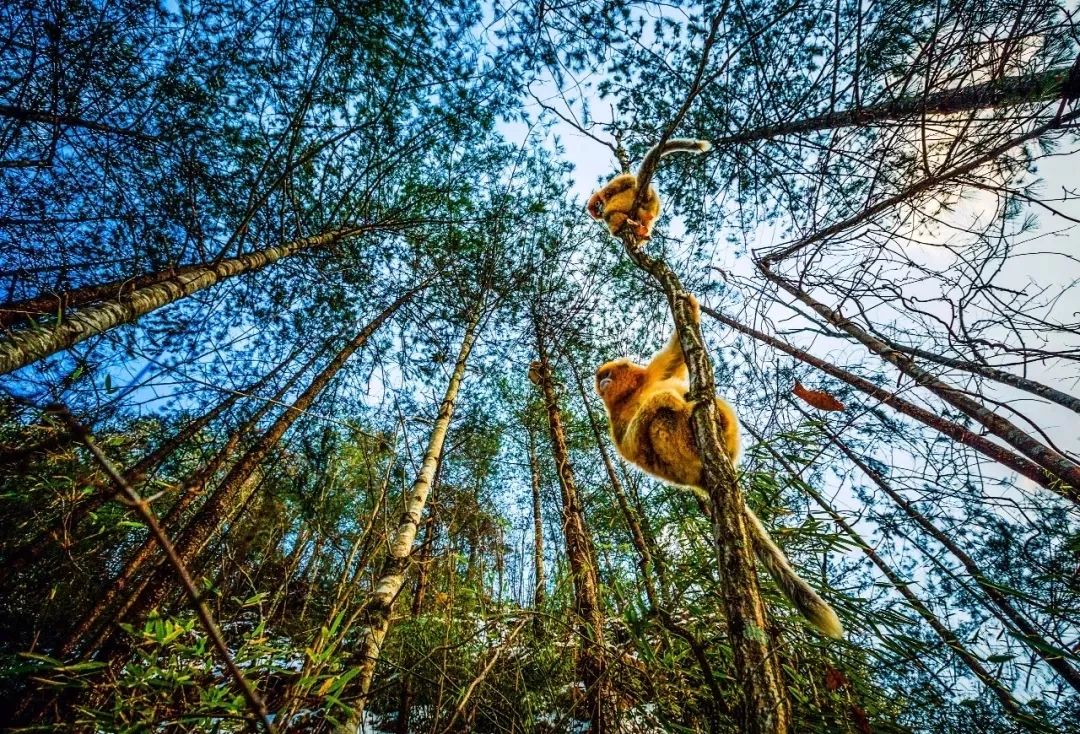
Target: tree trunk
647, 565
1064, 473
380, 602
1014, 90
405, 696
984, 370
133, 476
538, 524
219, 509
26, 346
637, 536
765, 707
58, 304
581, 556
953, 430
22, 114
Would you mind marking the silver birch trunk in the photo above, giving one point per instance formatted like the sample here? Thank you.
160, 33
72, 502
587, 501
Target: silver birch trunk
28, 345
380, 602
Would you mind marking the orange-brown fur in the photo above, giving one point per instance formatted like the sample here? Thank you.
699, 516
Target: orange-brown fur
650, 416
614, 204
650, 424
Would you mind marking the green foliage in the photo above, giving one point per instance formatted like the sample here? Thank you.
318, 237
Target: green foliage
141, 137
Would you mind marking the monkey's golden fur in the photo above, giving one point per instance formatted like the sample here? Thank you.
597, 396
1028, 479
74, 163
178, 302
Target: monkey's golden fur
649, 418
614, 203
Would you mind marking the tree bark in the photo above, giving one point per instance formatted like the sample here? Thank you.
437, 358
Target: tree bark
581, 557
538, 524
192, 488
1030, 88
637, 536
28, 345
647, 564
764, 708
58, 304
997, 375
406, 694
380, 602
22, 114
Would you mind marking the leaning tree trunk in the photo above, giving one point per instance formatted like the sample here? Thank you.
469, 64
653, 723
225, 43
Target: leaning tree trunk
219, 509
191, 489
1049, 85
991, 373
645, 555
58, 304
28, 345
380, 602
947, 636
1062, 470
647, 562
581, 557
407, 691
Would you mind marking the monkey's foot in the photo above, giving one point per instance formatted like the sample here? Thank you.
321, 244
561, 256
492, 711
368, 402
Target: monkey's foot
641, 229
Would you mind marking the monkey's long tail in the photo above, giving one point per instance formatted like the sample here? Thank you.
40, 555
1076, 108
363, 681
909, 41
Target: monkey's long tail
683, 145
675, 145
798, 592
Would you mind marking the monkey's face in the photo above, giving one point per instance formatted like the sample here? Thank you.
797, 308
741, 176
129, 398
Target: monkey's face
618, 380
596, 205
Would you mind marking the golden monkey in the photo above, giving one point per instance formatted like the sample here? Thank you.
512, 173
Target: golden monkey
650, 425
614, 202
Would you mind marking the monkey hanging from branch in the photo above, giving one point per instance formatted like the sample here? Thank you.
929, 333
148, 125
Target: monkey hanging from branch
649, 417
614, 203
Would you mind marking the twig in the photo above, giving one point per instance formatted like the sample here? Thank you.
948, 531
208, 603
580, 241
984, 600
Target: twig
648, 166
255, 702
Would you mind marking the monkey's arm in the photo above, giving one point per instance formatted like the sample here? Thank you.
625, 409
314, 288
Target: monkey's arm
670, 361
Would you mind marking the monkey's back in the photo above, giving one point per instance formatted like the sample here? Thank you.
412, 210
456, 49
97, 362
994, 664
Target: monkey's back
659, 439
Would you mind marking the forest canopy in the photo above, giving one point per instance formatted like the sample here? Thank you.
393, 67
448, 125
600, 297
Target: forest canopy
302, 310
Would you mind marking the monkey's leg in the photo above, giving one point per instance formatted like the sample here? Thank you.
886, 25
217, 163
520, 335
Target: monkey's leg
729, 428
615, 221
643, 224
668, 443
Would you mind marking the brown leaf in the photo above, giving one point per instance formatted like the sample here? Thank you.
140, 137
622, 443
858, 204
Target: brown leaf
817, 398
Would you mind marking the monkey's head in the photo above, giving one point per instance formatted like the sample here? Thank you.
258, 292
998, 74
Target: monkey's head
617, 381
596, 205
619, 184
